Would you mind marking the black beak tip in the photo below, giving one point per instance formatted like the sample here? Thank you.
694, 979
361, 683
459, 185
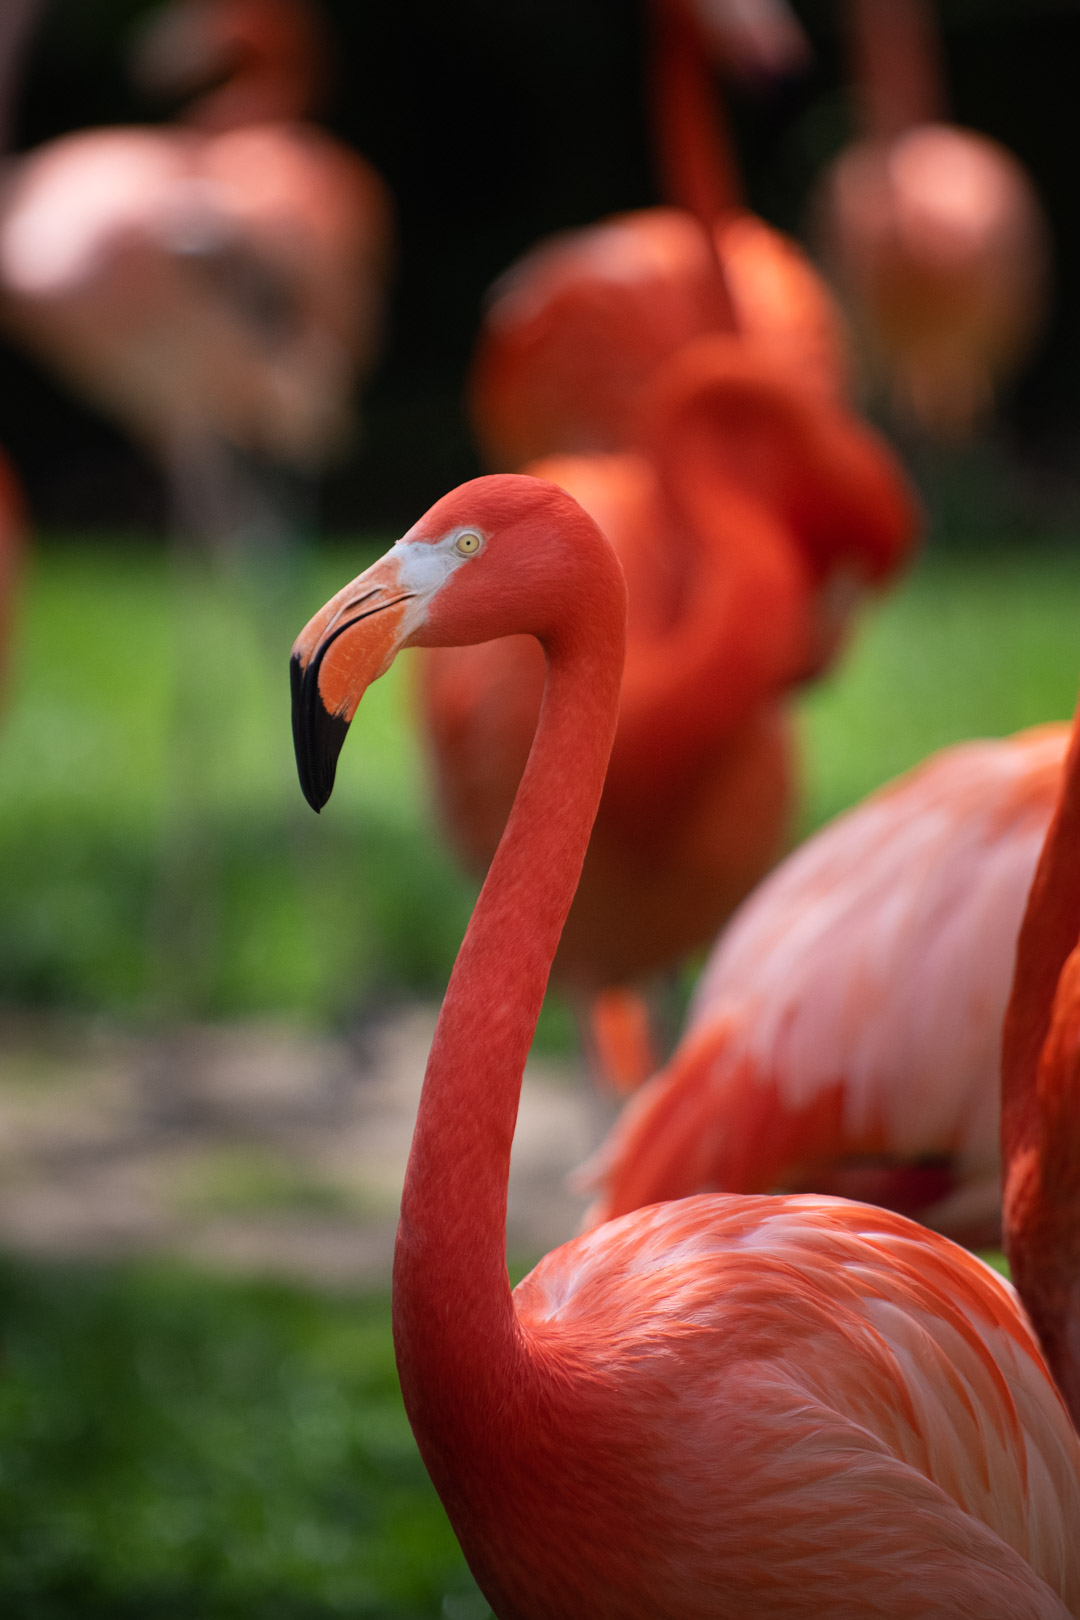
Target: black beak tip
318, 735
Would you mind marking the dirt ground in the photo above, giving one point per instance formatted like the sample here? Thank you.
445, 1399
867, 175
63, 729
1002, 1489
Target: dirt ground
253, 1147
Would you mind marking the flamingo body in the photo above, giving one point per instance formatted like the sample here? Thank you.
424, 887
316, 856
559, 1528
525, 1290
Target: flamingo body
939, 241
793, 1406
191, 283
934, 234
579, 326
845, 1034
216, 282
747, 506
780, 1406
643, 899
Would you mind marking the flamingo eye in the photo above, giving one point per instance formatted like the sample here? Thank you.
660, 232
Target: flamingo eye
468, 543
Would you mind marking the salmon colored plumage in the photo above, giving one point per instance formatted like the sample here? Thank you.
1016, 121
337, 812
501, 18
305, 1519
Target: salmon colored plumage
664, 366
222, 280
935, 235
743, 504
576, 329
845, 1034
784, 1407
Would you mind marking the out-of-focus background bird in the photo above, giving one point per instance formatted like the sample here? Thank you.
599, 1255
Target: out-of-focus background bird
215, 285
571, 359
747, 500
935, 233
845, 1034
575, 330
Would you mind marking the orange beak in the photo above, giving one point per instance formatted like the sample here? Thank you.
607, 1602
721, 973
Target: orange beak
347, 645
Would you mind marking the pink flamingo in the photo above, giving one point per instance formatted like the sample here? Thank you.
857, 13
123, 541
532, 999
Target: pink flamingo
578, 326
581, 345
846, 1032
935, 235
210, 286
722, 1406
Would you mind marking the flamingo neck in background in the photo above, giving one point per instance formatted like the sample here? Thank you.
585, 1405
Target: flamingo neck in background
896, 66
695, 167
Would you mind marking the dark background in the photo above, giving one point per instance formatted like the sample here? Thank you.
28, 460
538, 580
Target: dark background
495, 121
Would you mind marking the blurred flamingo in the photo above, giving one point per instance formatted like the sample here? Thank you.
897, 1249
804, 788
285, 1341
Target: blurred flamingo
845, 1035
215, 287
745, 502
574, 344
721, 1406
576, 328
934, 233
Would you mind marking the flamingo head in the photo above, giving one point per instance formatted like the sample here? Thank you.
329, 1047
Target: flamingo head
499, 556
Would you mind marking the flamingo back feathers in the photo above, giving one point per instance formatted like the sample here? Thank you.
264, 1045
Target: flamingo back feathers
840, 1374
854, 1006
578, 326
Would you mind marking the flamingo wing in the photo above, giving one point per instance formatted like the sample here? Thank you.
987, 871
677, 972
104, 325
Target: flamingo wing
860, 1405
852, 1011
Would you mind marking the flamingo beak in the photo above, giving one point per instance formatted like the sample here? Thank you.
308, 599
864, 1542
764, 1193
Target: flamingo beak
347, 645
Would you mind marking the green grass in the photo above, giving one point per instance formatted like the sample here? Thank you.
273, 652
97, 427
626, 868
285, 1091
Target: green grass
306, 916
975, 644
317, 917
172, 1446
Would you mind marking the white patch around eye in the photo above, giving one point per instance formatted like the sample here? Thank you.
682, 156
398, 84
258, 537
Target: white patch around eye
425, 566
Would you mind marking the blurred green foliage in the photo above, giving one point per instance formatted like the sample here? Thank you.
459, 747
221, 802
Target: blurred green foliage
976, 643
105, 771
318, 917
178, 1448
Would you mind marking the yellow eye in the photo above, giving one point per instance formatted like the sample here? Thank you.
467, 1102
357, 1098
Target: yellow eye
467, 543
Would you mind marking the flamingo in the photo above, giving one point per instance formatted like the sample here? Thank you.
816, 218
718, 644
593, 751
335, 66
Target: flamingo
786, 1406
576, 328
934, 233
583, 339
214, 287
749, 521
845, 1035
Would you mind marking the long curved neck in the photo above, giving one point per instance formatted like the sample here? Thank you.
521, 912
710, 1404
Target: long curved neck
896, 64
454, 1323
693, 149
1040, 1116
